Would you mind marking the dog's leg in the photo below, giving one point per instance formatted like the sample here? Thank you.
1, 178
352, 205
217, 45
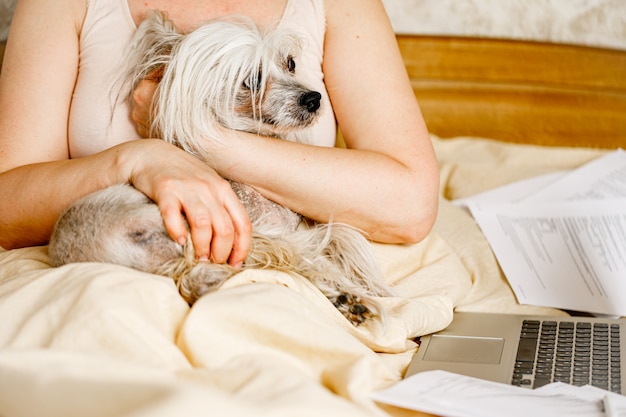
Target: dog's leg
117, 225
352, 280
336, 259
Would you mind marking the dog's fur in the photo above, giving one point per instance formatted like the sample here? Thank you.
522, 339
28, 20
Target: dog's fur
226, 73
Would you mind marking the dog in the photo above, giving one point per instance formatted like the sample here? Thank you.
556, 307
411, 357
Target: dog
227, 73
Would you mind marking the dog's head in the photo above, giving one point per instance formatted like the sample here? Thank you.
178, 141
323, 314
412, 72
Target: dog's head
226, 72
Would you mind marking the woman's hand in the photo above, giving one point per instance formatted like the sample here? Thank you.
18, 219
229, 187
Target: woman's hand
185, 188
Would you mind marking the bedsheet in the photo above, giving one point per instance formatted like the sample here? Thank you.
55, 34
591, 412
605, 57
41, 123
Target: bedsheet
102, 340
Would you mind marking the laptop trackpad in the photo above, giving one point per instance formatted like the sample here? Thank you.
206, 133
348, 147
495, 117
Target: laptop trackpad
467, 349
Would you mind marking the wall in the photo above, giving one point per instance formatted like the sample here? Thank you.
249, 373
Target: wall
6, 11
587, 22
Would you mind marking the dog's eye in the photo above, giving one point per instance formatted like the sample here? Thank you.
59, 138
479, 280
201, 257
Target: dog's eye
291, 64
253, 82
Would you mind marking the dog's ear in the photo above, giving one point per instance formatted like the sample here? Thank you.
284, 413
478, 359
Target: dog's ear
150, 50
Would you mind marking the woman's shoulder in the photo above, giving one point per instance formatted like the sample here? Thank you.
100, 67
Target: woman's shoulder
60, 11
340, 13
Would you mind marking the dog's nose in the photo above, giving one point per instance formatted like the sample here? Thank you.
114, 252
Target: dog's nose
311, 101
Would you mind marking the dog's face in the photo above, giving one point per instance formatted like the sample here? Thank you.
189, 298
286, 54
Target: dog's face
224, 73
273, 101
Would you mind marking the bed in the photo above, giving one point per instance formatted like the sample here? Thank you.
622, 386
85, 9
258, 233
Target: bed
103, 340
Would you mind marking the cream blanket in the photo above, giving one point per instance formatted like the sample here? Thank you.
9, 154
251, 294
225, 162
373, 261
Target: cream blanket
102, 340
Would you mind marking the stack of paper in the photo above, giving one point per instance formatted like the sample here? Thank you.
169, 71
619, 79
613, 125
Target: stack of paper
561, 239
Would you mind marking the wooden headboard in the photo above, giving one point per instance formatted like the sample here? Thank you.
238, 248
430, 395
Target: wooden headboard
517, 91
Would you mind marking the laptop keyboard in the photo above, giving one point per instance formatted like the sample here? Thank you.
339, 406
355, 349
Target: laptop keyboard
577, 353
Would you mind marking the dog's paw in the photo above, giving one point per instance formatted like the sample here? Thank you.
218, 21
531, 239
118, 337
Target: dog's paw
201, 278
352, 308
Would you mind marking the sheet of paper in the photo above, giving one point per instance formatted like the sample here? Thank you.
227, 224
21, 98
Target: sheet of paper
563, 255
447, 394
513, 192
603, 178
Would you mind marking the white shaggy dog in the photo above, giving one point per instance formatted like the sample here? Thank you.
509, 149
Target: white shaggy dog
226, 73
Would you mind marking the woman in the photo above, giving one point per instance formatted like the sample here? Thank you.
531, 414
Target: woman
54, 147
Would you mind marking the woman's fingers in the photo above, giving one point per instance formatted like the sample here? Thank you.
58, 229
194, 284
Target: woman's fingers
174, 221
215, 219
222, 233
243, 234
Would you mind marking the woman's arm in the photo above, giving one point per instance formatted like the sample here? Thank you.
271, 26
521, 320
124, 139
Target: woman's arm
37, 178
36, 84
386, 183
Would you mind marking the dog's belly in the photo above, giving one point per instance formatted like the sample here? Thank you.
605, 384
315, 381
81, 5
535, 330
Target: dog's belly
118, 225
262, 210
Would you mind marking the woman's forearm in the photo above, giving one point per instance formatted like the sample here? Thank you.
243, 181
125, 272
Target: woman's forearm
390, 201
33, 196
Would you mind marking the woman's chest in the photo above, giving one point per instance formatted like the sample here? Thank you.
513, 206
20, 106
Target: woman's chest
188, 14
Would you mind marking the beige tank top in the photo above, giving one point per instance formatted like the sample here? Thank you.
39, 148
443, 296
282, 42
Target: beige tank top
96, 124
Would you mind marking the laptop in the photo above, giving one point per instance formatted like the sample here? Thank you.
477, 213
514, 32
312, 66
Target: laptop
528, 351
